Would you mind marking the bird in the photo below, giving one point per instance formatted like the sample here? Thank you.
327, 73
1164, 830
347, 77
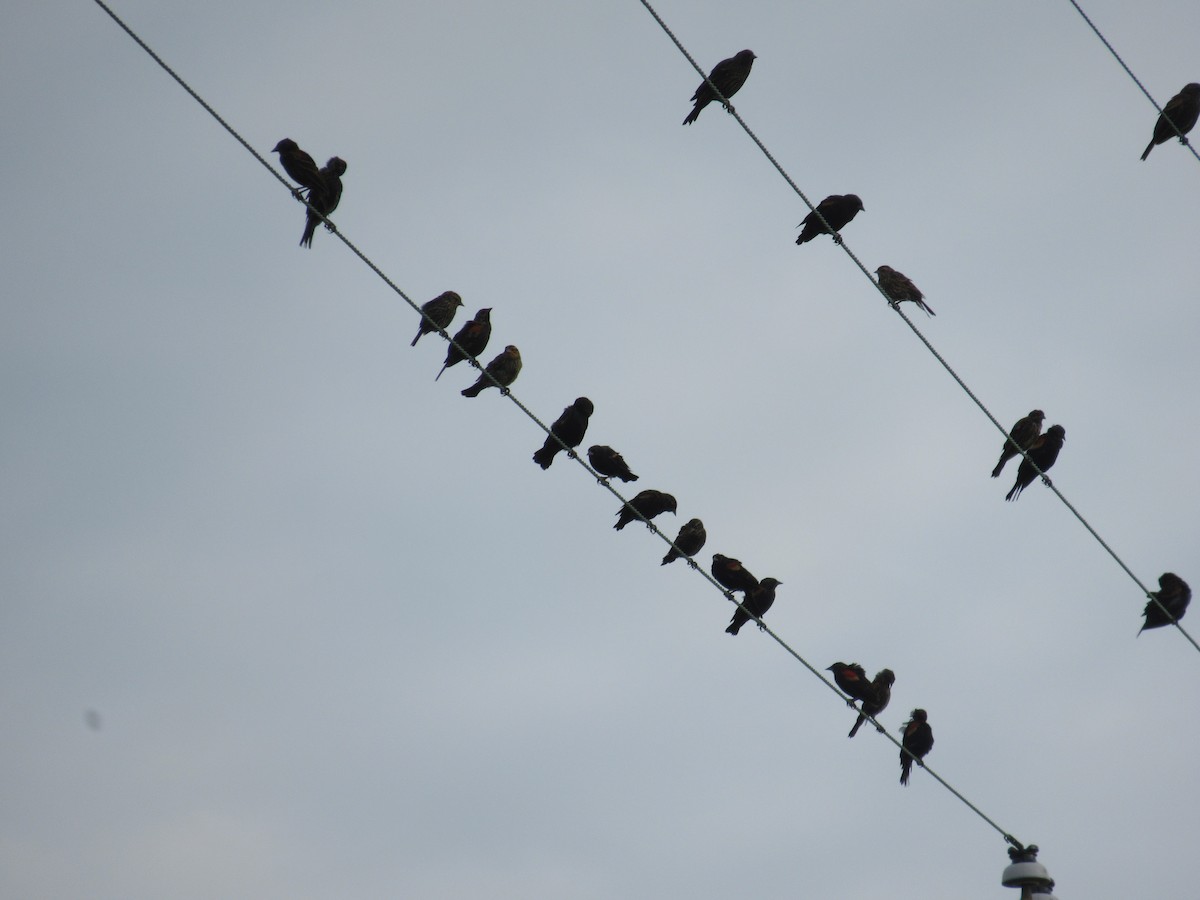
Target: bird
648, 503
754, 603
879, 695
728, 75
838, 210
853, 681
609, 463
570, 428
688, 542
1183, 109
1022, 435
438, 314
298, 164
324, 197
732, 575
1043, 451
1174, 594
472, 337
504, 368
899, 288
917, 740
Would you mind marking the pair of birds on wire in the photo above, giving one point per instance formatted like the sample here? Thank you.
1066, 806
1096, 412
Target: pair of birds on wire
470, 341
1041, 450
323, 185
875, 695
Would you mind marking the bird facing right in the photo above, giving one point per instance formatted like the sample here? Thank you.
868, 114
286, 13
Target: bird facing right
504, 368
438, 314
838, 210
570, 428
472, 337
755, 604
878, 697
1023, 433
728, 75
689, 541
917, 739
1043, 451
324, 197
1183, 109
648, 503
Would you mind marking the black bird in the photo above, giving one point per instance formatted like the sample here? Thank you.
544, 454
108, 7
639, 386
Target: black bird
690, 541
917, 740
853, 681
1024, 433
732, 575
440, 310
899, 288
649, 503
1183, 109
1043, 451
878, 697
754, 603
609, 463
324, 197
505, 368
570, 427
298, 164
472, 337
1174, 594
728, 75
838, 210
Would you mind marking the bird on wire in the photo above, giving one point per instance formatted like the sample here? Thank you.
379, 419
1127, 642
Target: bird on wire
1173, 593
1020, 437
838, 210
1183, 109
755, 604
504, 368
916, 741
648, 503
609, 463
899, 288
688, 542
439, 313
570, 428
472, 337
728, 75
324, 198
1043, 451
879, 695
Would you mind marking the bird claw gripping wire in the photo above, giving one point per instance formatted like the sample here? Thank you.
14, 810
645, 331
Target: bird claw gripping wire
1046, 481
504, 392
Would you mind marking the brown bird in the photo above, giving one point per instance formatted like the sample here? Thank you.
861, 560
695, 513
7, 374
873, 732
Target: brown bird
688, 542
439, 313
1024, 433
1183, 109
838, 210
853, 681
879, 695
728, 75
324, 197
609, 463
732, 575
899, 288
1043, 451
1174, 594
754, 603
504, 368
648, 503
917, 740
570, 427
472, 337
298, 164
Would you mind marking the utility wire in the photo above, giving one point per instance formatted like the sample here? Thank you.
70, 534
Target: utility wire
896, 306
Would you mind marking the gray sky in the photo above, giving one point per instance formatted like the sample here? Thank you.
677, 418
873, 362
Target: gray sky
346, 640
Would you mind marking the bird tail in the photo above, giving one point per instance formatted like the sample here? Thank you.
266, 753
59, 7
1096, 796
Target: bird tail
999, 466
417, 338
1014, 492
925, 306
905, 768
670, 557
440, 371
545, 456
1149, 147
473, 390
857, 725
310, 228
694, 114
735, 625
630, 477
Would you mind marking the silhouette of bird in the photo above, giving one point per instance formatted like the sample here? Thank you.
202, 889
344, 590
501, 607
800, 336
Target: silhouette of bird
838, 210
609, 463
324, 197
472, 337
1023, 433
852, 680
504, 368
754, 603
917, 739
899, 288
298, 164
728, 75
732, 575
878, 697
690, 541
1174, 594
649, 503
441, 310
1183, 109
570, 427
1043, 451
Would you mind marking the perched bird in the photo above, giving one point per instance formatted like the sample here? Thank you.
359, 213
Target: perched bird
472, 337
324, 196
838, 210
1024, 433
755, 603
917, 740
1174, 594
853, 681
728, 75
609, 463
1043, 451
899, 288
440, 310
649, 503
731, 574
504, 368
298, 164
689, 541
1183, 109
879, 695
570, 428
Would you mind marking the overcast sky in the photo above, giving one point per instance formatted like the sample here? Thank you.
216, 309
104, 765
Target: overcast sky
342, 638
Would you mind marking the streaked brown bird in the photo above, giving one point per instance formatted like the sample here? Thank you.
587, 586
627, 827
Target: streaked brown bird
609, 463
1183, 109
1023, 433
1043, 451
504, 368
324, 197
570, 427
838, 210
917, 739
689, 541
728, 75
879, 695
732, 575
899, 288
1173, 593
649, 503
298, 164
853, 681
755, 603
472, 337
440, 310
